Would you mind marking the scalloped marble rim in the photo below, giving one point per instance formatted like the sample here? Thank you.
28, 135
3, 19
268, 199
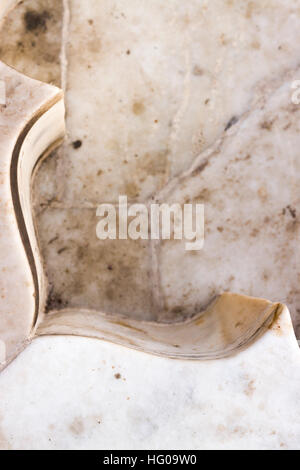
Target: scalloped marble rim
32, 124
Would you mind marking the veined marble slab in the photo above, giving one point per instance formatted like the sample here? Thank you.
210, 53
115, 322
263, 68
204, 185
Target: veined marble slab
165, 102
32, 125
150, 89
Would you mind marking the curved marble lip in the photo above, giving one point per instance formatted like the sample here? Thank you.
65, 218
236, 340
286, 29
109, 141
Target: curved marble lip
33, 125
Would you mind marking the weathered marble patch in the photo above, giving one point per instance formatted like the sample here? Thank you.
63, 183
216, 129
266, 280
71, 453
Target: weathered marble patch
151, 89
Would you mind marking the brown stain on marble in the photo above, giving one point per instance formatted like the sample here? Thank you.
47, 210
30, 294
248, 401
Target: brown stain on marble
276, 325
154, 164
125, 325
36, 20
84, 272
132, 190
30, 39
250, 388
77, 426
267, 124
198, 71
138, 108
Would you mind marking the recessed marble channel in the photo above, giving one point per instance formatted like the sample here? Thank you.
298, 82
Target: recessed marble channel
172, 102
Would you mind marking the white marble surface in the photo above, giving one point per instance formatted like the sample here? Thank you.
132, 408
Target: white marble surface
62, 393
24, 100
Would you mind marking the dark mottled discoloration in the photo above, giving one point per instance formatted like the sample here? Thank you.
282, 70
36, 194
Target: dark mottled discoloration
30, 39
84, 272
35, 20
54, 301
77, 144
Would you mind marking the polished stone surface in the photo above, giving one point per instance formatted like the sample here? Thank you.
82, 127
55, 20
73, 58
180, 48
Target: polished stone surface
79, 393
185, 102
